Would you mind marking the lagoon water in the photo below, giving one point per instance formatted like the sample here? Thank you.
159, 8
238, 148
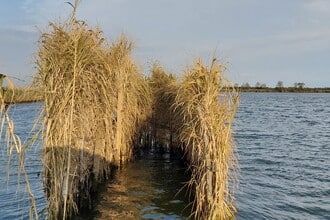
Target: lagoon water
283, 149
283, 145
14, 199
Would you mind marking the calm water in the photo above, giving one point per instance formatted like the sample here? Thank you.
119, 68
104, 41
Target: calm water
283, 146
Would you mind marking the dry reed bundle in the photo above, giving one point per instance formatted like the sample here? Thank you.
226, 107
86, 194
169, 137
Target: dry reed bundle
95, 101
133, 98
78, 114
163, 86
206, 107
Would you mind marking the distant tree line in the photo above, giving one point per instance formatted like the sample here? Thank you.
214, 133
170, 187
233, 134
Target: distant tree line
279, 84
262, 87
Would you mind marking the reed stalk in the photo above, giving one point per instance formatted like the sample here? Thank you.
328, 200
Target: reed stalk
163, 86
133, 97
206, 106
77, 105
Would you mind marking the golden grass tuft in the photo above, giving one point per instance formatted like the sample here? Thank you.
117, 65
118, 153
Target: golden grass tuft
133, 98
98, 107
71, 73
206, 106
163, 86
87, 124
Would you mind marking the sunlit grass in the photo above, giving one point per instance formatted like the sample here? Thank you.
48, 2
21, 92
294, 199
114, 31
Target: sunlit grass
206, 105
95, 99
98, 107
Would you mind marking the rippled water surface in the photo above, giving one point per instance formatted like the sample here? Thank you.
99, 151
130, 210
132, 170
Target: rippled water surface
283, 143
14, 199
147, 188
283, 146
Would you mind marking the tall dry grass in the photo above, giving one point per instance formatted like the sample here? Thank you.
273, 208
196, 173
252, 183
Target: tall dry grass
98, 107
206, 106
163, 86
133, 97
72, 74
95, 101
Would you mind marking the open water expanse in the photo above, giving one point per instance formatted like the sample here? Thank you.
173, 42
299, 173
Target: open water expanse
283, 145
283, 149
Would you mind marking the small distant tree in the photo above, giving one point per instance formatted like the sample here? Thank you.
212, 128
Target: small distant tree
279, 84
263, 85
258, 85
301, 85
246, 85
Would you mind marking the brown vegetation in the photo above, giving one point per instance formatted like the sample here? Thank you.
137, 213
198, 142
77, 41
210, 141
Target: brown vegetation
98, 107
206, 107
87, 86
22, 94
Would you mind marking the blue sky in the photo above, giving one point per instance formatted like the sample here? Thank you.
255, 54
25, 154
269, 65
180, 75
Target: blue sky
259, 40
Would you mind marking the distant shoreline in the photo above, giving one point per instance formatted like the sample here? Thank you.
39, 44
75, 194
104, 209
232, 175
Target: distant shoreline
284, 90
19, 95
30, 95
